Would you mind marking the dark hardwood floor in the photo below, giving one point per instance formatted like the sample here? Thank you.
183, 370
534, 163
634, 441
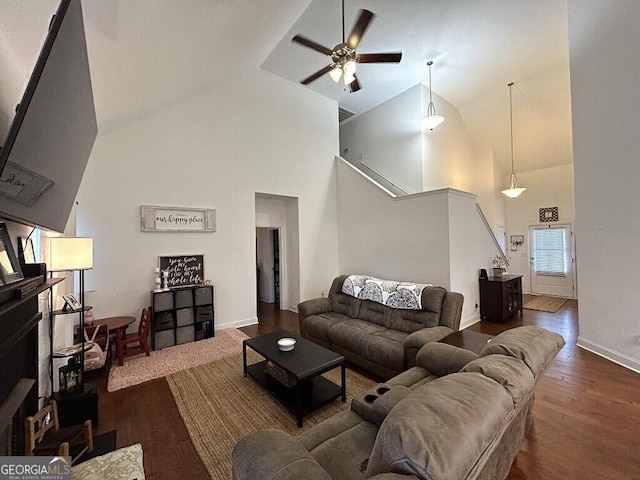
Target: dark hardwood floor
586, 415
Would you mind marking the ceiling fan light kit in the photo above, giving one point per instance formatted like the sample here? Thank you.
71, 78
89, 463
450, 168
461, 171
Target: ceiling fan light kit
344, 56
431, 120
513, 191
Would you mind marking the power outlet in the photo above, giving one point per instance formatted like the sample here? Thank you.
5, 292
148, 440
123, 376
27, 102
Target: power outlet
322, 293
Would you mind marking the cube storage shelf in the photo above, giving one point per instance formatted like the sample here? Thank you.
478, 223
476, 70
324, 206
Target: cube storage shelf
182, 315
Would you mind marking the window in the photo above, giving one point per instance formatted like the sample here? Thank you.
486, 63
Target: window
549, 255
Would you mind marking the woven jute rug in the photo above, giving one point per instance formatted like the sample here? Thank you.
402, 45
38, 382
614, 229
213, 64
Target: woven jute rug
220, 406
163, 362
545, 304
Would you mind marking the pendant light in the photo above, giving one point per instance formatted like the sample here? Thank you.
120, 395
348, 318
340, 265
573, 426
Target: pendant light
513, 191
432, 120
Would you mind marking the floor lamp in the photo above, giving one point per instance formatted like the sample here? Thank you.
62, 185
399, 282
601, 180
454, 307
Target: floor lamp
70, 254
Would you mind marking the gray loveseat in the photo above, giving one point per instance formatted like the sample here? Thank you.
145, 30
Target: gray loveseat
379, 338
455, 415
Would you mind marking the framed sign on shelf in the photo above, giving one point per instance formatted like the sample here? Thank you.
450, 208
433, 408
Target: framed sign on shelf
72, 302
177, 219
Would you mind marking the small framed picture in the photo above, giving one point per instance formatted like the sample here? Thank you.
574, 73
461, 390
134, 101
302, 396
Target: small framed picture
71, 302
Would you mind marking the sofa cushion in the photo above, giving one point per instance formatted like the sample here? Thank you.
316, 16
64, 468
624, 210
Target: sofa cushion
345, 455
349, 334
535, 346
375, 313
343, 303
436, 431
268, 453
509, 372
412, 320
384, 348
318, 325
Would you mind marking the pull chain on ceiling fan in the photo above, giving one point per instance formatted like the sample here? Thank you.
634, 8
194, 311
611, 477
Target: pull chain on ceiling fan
344, 56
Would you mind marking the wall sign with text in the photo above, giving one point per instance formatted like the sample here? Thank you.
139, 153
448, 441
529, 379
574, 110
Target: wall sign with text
174, 219
183, 269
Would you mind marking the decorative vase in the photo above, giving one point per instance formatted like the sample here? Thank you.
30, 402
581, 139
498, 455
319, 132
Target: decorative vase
498, 272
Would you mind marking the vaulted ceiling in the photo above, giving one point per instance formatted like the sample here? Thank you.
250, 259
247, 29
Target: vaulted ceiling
148, 54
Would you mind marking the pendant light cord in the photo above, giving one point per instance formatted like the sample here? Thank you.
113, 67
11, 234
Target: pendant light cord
429, 63
343, 35
511, 119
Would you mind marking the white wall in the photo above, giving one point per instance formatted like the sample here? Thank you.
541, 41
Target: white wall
448, 160
397, 239
549, 187
470, 249
215, 150
424, 237
603, 60
387, 138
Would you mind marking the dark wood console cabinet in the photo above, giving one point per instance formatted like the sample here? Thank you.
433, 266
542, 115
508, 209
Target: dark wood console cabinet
500, 297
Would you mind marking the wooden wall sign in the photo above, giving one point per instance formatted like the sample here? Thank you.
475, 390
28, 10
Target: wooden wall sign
183, 269
174, 219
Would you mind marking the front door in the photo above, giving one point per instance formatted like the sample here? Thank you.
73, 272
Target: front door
552, 260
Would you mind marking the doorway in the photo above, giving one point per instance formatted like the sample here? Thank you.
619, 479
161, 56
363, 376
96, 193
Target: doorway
268, 264
277, 251
552, 260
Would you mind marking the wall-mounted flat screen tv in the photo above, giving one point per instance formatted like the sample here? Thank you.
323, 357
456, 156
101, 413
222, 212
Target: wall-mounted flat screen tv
45, 154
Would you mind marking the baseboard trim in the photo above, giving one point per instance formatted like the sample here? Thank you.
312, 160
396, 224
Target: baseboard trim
467, 322
293, 308
237, 324
612, 355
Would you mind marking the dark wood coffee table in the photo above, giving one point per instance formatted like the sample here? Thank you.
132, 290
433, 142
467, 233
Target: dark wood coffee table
305, 364
467, 339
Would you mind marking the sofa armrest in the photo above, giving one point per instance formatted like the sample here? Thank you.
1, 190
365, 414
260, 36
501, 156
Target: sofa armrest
272, 454
416, 340
451, 312
376, 403
312, 307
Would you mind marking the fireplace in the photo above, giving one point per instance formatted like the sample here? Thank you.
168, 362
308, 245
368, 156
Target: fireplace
19, 319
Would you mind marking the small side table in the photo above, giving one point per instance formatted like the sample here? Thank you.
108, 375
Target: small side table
467, 339
76, 407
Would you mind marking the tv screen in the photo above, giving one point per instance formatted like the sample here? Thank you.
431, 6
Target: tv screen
45, 154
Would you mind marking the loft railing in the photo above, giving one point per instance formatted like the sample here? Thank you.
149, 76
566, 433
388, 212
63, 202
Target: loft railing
389, 181
492, 235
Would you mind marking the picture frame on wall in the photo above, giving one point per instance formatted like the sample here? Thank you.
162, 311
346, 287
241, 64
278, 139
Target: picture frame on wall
10, 270
71, 302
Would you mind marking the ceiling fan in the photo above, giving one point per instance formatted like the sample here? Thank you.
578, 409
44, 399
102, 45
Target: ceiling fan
344, 57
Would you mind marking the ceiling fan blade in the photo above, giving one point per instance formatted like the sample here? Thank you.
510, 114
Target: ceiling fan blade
355, 85
312, 45
358, 30
317, 75
380, 57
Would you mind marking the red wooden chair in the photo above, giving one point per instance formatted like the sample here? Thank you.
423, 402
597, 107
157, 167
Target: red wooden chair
137, 343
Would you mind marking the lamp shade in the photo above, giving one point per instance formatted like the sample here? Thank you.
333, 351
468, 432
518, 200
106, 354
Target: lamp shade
70, 253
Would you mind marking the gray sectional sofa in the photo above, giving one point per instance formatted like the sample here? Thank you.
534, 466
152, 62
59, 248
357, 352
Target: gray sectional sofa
455, 415
379, 338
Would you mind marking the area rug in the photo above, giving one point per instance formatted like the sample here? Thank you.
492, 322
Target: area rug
545, 304
220, 406
163, 362
123, 464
